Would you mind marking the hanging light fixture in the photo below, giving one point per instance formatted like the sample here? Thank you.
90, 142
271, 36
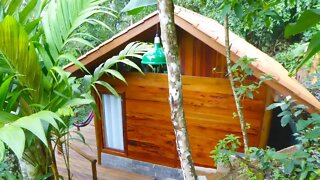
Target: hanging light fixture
156, 55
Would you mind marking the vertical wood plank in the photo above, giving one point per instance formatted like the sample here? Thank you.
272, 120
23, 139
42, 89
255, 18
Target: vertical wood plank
266, 122
209, 59
197, 57
187, 53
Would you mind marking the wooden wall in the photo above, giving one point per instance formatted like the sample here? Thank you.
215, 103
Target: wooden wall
208, 104
198, 59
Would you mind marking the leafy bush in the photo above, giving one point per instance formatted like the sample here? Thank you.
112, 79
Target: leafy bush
302, 163
242, 72
290, 112
291, 57
225, 148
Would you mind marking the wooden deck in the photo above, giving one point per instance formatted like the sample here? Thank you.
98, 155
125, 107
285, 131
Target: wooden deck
81, 167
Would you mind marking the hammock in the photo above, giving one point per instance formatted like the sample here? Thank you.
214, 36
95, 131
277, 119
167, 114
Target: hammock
86, 122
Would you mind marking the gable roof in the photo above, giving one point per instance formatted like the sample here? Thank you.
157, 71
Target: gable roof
211, 33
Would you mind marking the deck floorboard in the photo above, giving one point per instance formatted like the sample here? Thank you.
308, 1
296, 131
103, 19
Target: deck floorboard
81, 167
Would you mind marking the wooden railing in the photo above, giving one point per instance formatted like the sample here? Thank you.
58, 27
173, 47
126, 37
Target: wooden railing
92, 160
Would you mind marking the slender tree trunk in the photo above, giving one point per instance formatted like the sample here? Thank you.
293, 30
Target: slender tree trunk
54, 167
169, 41
236, 97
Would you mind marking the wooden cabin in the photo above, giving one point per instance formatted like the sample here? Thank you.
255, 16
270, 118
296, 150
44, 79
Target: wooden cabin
140, 121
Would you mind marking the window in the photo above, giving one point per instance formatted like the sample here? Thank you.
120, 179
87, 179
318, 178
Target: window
113, 122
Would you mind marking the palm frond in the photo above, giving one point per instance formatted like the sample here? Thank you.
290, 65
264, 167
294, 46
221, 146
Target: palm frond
62, 18
20, 55
134, 49
13, 134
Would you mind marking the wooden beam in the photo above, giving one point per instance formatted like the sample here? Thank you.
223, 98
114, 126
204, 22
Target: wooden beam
266, 122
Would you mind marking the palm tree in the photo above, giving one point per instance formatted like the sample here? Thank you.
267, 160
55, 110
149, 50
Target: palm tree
37, 96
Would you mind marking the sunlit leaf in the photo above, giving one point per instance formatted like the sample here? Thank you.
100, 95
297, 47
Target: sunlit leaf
33, 125
25, 13
62, 18
274, 105
77, 102
14, 138
307, 19
285, 120
75, 61
315, 133
115, 74
288, 166
30, 71
277, 155
313, 48
135, 6
13, 7
107, 86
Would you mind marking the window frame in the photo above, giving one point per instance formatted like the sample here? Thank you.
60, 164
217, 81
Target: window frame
104, 147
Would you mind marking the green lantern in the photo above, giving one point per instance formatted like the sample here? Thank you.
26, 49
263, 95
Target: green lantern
156, 55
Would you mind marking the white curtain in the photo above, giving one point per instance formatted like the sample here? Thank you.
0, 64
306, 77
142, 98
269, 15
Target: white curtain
113, 127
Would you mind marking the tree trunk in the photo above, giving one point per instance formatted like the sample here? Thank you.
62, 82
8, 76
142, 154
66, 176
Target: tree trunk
236, 97
169, 41
54, 167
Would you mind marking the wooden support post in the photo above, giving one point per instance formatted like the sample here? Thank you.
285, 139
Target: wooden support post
266, 121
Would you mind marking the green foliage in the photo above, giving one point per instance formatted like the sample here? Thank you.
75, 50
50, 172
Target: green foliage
250, 12
242, 72
135, 50
66, 17
33, 123
225, 148
308, 19
116, 23
291, 57
16, 36
288, 107
136, 6
304, 163
274, 164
